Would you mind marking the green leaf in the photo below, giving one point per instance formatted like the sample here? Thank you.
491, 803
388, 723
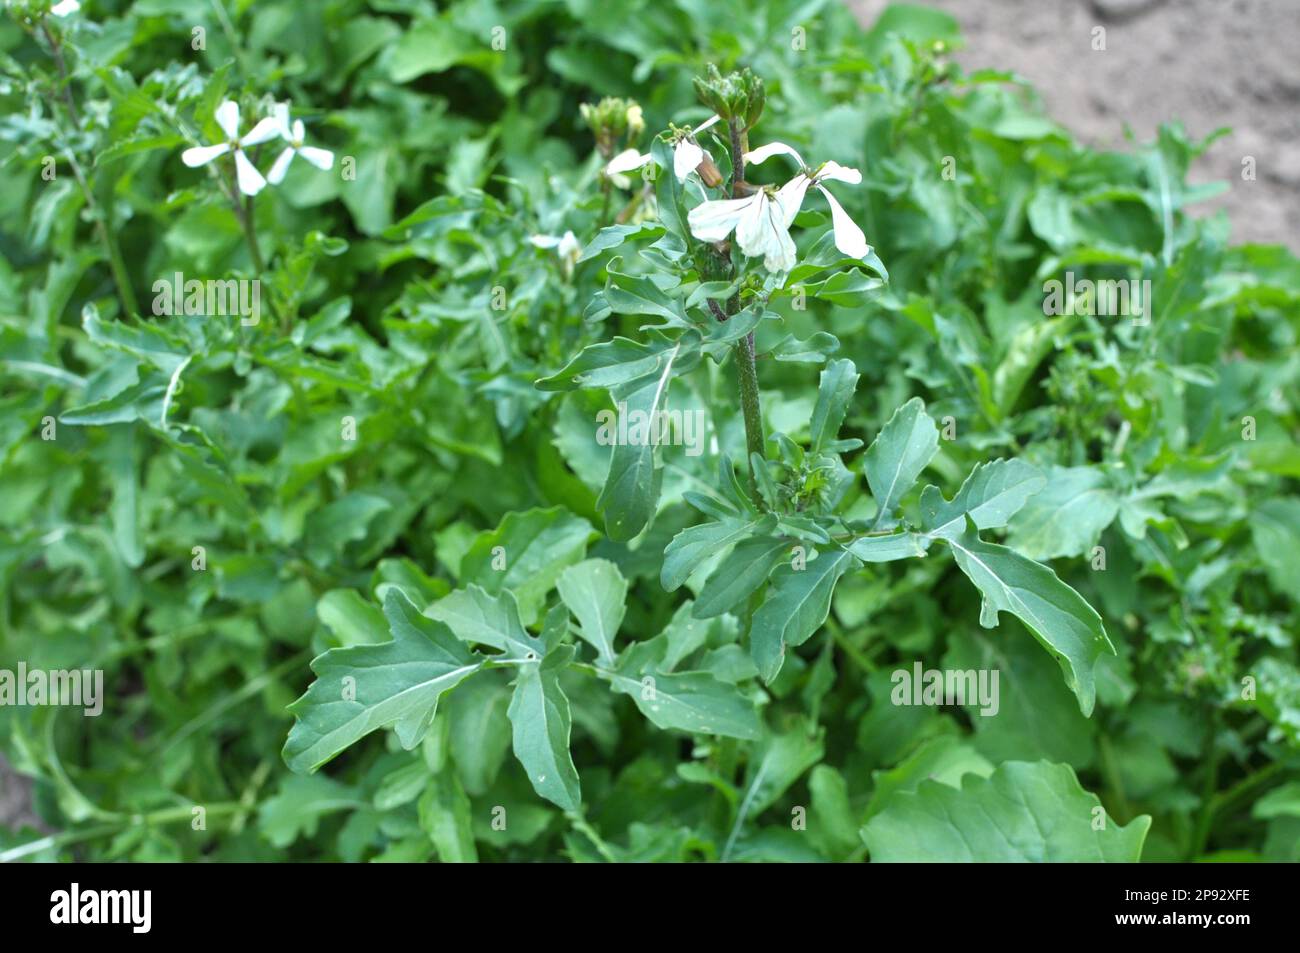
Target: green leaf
352, 619
596, 592
610, 364
613, 236
539, 712
992, 494
694, 545
445, 814
1027, 812
526, 554
477, 616
691, 701
902, 449
1275, 530
740, 573
668, 191
795, 608
835, 391
298, 806
1067, 516
631, 491
884, 549
363, 688
1058, 616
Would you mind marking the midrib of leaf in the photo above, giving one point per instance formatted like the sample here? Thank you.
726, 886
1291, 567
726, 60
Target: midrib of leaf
1010, 593
381, 713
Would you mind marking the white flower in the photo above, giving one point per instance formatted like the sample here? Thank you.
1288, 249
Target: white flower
65, 7
567, 247
848, 237
760, 224
687, 153
322, 159
250, 180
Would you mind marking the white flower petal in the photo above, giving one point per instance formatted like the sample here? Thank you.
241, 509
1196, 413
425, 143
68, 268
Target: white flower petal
839, 173
64, 7
848, 237
280, 113
686, 157
752, 226
545, 241
782, 257
763, 153
322, 159
250, 180
299, 130
626, 161
791, 197
713, 221
569, 247
762, 231
264, 131
281, 166
706, 124
228, 118
202, 155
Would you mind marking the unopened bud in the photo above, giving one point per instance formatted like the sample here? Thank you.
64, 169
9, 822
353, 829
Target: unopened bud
709, 173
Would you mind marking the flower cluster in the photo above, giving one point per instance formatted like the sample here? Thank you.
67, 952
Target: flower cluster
277, 125
762, 220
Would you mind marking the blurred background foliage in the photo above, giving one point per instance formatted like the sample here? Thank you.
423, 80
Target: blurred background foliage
174, 433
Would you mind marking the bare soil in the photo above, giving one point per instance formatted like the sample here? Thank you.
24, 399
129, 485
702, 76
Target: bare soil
1207, 63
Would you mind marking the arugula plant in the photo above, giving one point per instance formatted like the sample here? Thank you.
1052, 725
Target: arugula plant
435, 465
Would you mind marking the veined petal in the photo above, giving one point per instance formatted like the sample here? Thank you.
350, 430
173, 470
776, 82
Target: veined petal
791, 197
267, 129
764, 232
322, 159
782, 256
848, 237
250, 180
714, 220
839, 173
281, 166
228, 118
763, 153
686, 157
626, 161
202, 155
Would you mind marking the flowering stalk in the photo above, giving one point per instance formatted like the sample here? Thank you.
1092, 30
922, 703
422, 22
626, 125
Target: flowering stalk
746, 368
738, 98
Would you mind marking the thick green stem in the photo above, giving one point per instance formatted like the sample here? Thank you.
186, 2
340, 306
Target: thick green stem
749, 403
737, 159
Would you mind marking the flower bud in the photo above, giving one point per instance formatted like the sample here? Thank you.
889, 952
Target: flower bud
610, 120
737, 97
709, 173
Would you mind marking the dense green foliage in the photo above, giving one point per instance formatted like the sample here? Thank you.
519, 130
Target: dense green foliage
389, 499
